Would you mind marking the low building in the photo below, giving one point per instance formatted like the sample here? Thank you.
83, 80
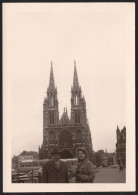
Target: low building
25, 157
31, 155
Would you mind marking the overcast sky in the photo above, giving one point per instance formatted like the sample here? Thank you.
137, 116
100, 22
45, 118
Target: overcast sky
94, 36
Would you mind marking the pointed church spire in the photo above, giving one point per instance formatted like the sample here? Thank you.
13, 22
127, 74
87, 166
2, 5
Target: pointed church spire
51, 80
75, 78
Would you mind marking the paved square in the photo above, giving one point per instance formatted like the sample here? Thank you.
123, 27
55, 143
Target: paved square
110, 175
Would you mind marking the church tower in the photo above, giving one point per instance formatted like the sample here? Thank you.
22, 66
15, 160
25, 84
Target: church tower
50, 117
79, 116
78, 104
50, 105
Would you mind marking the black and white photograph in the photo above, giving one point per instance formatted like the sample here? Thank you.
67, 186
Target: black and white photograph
68, 97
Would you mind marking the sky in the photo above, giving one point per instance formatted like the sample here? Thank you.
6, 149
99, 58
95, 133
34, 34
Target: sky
95, 37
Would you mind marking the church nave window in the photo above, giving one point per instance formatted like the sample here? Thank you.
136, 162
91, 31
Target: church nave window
76, 100
78, 134
77, 117
51, 135
51, 118
65, 138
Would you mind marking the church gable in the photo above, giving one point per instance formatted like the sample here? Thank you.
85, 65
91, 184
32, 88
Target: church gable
64, 120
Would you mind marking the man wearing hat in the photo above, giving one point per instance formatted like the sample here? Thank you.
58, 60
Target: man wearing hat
54, 170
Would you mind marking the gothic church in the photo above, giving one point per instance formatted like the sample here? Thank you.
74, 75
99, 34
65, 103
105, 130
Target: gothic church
65, 133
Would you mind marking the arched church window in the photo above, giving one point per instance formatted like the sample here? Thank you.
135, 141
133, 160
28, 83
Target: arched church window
52, 135
77, 117
52, 101
66, 154
76, 100
78, 134
65, 138
51, 118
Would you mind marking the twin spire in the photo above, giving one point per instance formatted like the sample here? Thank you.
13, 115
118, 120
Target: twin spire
75, 78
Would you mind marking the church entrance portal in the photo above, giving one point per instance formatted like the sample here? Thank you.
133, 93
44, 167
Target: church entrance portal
66, 154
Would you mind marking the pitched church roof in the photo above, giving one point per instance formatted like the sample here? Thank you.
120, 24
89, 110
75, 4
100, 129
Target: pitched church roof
64, 120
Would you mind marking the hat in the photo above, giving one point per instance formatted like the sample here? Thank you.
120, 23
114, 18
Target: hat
55, 151
83, 150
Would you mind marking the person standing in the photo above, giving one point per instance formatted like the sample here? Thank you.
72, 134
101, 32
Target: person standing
120, 165
85, 169
54, 170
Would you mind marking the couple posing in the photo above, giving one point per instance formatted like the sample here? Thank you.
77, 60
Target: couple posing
56, 171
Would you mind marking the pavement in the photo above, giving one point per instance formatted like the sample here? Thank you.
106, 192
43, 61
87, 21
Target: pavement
108, 175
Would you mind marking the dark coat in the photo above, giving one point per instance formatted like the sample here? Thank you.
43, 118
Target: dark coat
85, 172
51, 173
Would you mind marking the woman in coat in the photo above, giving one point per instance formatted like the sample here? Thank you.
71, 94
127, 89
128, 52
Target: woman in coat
85, 170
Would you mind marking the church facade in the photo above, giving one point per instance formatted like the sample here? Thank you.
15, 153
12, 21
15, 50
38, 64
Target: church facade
66, 133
